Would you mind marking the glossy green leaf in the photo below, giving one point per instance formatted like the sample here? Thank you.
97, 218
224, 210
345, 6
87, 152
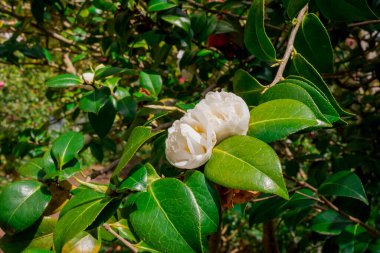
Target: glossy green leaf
179, 223
346, 10
33, 169
151, 81
321, 101
137, 179
83, 242
40, 236
63, 81
279, 118
291, 91
67, 146
81, 196
294, 6
160, 5
255, 38
207, 199
301, 67
246, 163
137, 138
67, 171
22, 203
354, 239
329, 223
127, 107
266, 210
344, 184
94, 100
77, 219
178, 21
109, 71
313, 42
247, 87
102, 122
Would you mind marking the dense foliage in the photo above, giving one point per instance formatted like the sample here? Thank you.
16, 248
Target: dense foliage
90, 88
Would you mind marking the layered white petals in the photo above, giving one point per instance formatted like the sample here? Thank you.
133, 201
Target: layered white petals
189, 143
192, 138
88, 77
226, 113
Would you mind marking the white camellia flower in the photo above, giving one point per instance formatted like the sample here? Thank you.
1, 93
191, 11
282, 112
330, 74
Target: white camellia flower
189, 143
226, 113
192, 138
88, 77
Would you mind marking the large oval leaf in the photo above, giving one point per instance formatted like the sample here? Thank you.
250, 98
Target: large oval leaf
291, 91
247, 87
346, 10
323, 104
255, 38
94, 100
329, 223
246, 163
137, 138
102, 121
22, 203
33, 169
82, 243
77, 219
63, 81
40, 236
66, 147
151, 81
345, 184
279, 118
170, 209
301, 67
313, 42
160, 5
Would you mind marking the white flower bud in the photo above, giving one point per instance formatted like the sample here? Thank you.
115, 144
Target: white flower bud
88, 77
226, 113
189, 143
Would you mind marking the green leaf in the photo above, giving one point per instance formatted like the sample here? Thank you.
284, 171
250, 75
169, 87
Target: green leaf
33, 169
294, 6
344, 184
313, 42
246, 163
81, 196
354, 239
109, 71
77, 219
179, 21
151, 81
63, 81
102, 121
346, 10
22, 203
279, 118
67, 171
137, 179
329, 223
207, 199
255, 38
137, 138
82, 242
266, 210
291, 91
40, 236
179, 223
127, 107
67, 146
301, 67
160, 5
320, 100
94, 100
247, 87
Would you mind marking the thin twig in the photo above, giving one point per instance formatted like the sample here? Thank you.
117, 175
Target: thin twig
289, 48
323, 200
165, 107
125, 242
367, 22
